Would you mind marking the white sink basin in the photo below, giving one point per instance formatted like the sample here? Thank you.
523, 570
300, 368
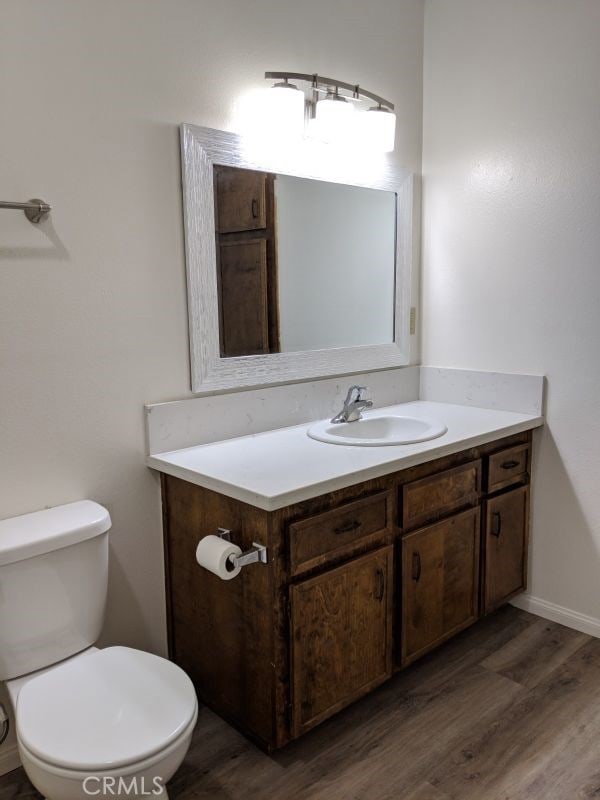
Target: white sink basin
377, 431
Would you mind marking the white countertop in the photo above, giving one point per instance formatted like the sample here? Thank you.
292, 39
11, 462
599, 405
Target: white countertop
277, 468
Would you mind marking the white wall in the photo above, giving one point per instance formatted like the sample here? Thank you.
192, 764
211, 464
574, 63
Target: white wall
511, 243
336, 254
93, 320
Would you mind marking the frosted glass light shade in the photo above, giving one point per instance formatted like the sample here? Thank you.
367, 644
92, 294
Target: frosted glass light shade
282, 111
378, 130
274, 114
334, 120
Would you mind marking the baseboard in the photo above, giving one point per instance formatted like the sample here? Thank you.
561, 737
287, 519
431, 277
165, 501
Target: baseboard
564, 616
9, 758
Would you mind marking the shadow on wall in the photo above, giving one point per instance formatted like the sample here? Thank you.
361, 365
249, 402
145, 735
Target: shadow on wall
562, 538
122, 603
8, 757
55, 252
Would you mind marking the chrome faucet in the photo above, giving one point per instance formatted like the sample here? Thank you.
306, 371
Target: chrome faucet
353, 405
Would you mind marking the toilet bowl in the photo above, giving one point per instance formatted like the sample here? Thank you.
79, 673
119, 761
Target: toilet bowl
102, 723
146, 778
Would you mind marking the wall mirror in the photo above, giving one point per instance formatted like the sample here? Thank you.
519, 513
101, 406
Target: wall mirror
298, 267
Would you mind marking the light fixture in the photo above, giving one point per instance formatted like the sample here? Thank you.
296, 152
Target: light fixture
378, 129
285, 112
334, 117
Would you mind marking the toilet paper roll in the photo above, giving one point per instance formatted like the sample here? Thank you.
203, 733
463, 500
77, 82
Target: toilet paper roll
213, 553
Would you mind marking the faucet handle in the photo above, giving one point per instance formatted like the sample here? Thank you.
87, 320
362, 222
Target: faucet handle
358, 389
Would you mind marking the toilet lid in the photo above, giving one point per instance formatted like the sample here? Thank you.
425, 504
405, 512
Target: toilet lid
117, 706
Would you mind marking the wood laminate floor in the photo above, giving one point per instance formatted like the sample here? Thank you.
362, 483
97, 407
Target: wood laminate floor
509, 710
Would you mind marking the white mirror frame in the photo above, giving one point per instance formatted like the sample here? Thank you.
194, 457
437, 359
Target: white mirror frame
201, 149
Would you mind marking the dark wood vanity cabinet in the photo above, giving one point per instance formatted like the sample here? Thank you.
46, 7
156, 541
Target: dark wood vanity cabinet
360, 582
247, 279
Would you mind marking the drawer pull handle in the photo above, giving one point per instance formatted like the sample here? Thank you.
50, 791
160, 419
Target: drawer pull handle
254, 208
496, 524
510, 464
380, 585
416, 566
348, 526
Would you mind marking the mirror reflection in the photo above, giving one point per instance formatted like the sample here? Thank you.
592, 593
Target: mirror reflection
302, 264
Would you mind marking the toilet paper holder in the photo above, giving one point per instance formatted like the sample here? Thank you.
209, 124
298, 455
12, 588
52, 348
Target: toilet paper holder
256, 555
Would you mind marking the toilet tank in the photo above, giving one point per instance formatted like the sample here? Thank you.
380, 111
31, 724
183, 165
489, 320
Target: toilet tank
53, 581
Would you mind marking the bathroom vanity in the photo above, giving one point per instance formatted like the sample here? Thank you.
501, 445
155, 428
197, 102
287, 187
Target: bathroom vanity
360, 581
375, 555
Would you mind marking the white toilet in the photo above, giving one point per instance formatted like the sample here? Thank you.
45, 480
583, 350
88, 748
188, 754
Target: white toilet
112, 723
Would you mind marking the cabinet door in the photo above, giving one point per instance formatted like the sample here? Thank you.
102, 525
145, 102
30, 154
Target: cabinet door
506, 541
243, 298
241, 199
440, 582
341, 634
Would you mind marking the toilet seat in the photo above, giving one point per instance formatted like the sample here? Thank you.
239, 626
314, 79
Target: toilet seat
115, 708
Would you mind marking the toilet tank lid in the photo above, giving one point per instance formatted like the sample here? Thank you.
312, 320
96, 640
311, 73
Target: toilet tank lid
44, 531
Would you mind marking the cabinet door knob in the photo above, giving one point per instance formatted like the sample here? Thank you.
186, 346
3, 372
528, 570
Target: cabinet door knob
347, 527
509, 464
254, 208
416, 566
496, 524
380, 591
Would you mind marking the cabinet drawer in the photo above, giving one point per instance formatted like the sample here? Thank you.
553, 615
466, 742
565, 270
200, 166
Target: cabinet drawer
340, 532
507, 466
436, 496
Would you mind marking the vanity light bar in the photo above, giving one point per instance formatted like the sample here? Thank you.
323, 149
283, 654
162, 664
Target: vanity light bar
328, 116
318, 82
